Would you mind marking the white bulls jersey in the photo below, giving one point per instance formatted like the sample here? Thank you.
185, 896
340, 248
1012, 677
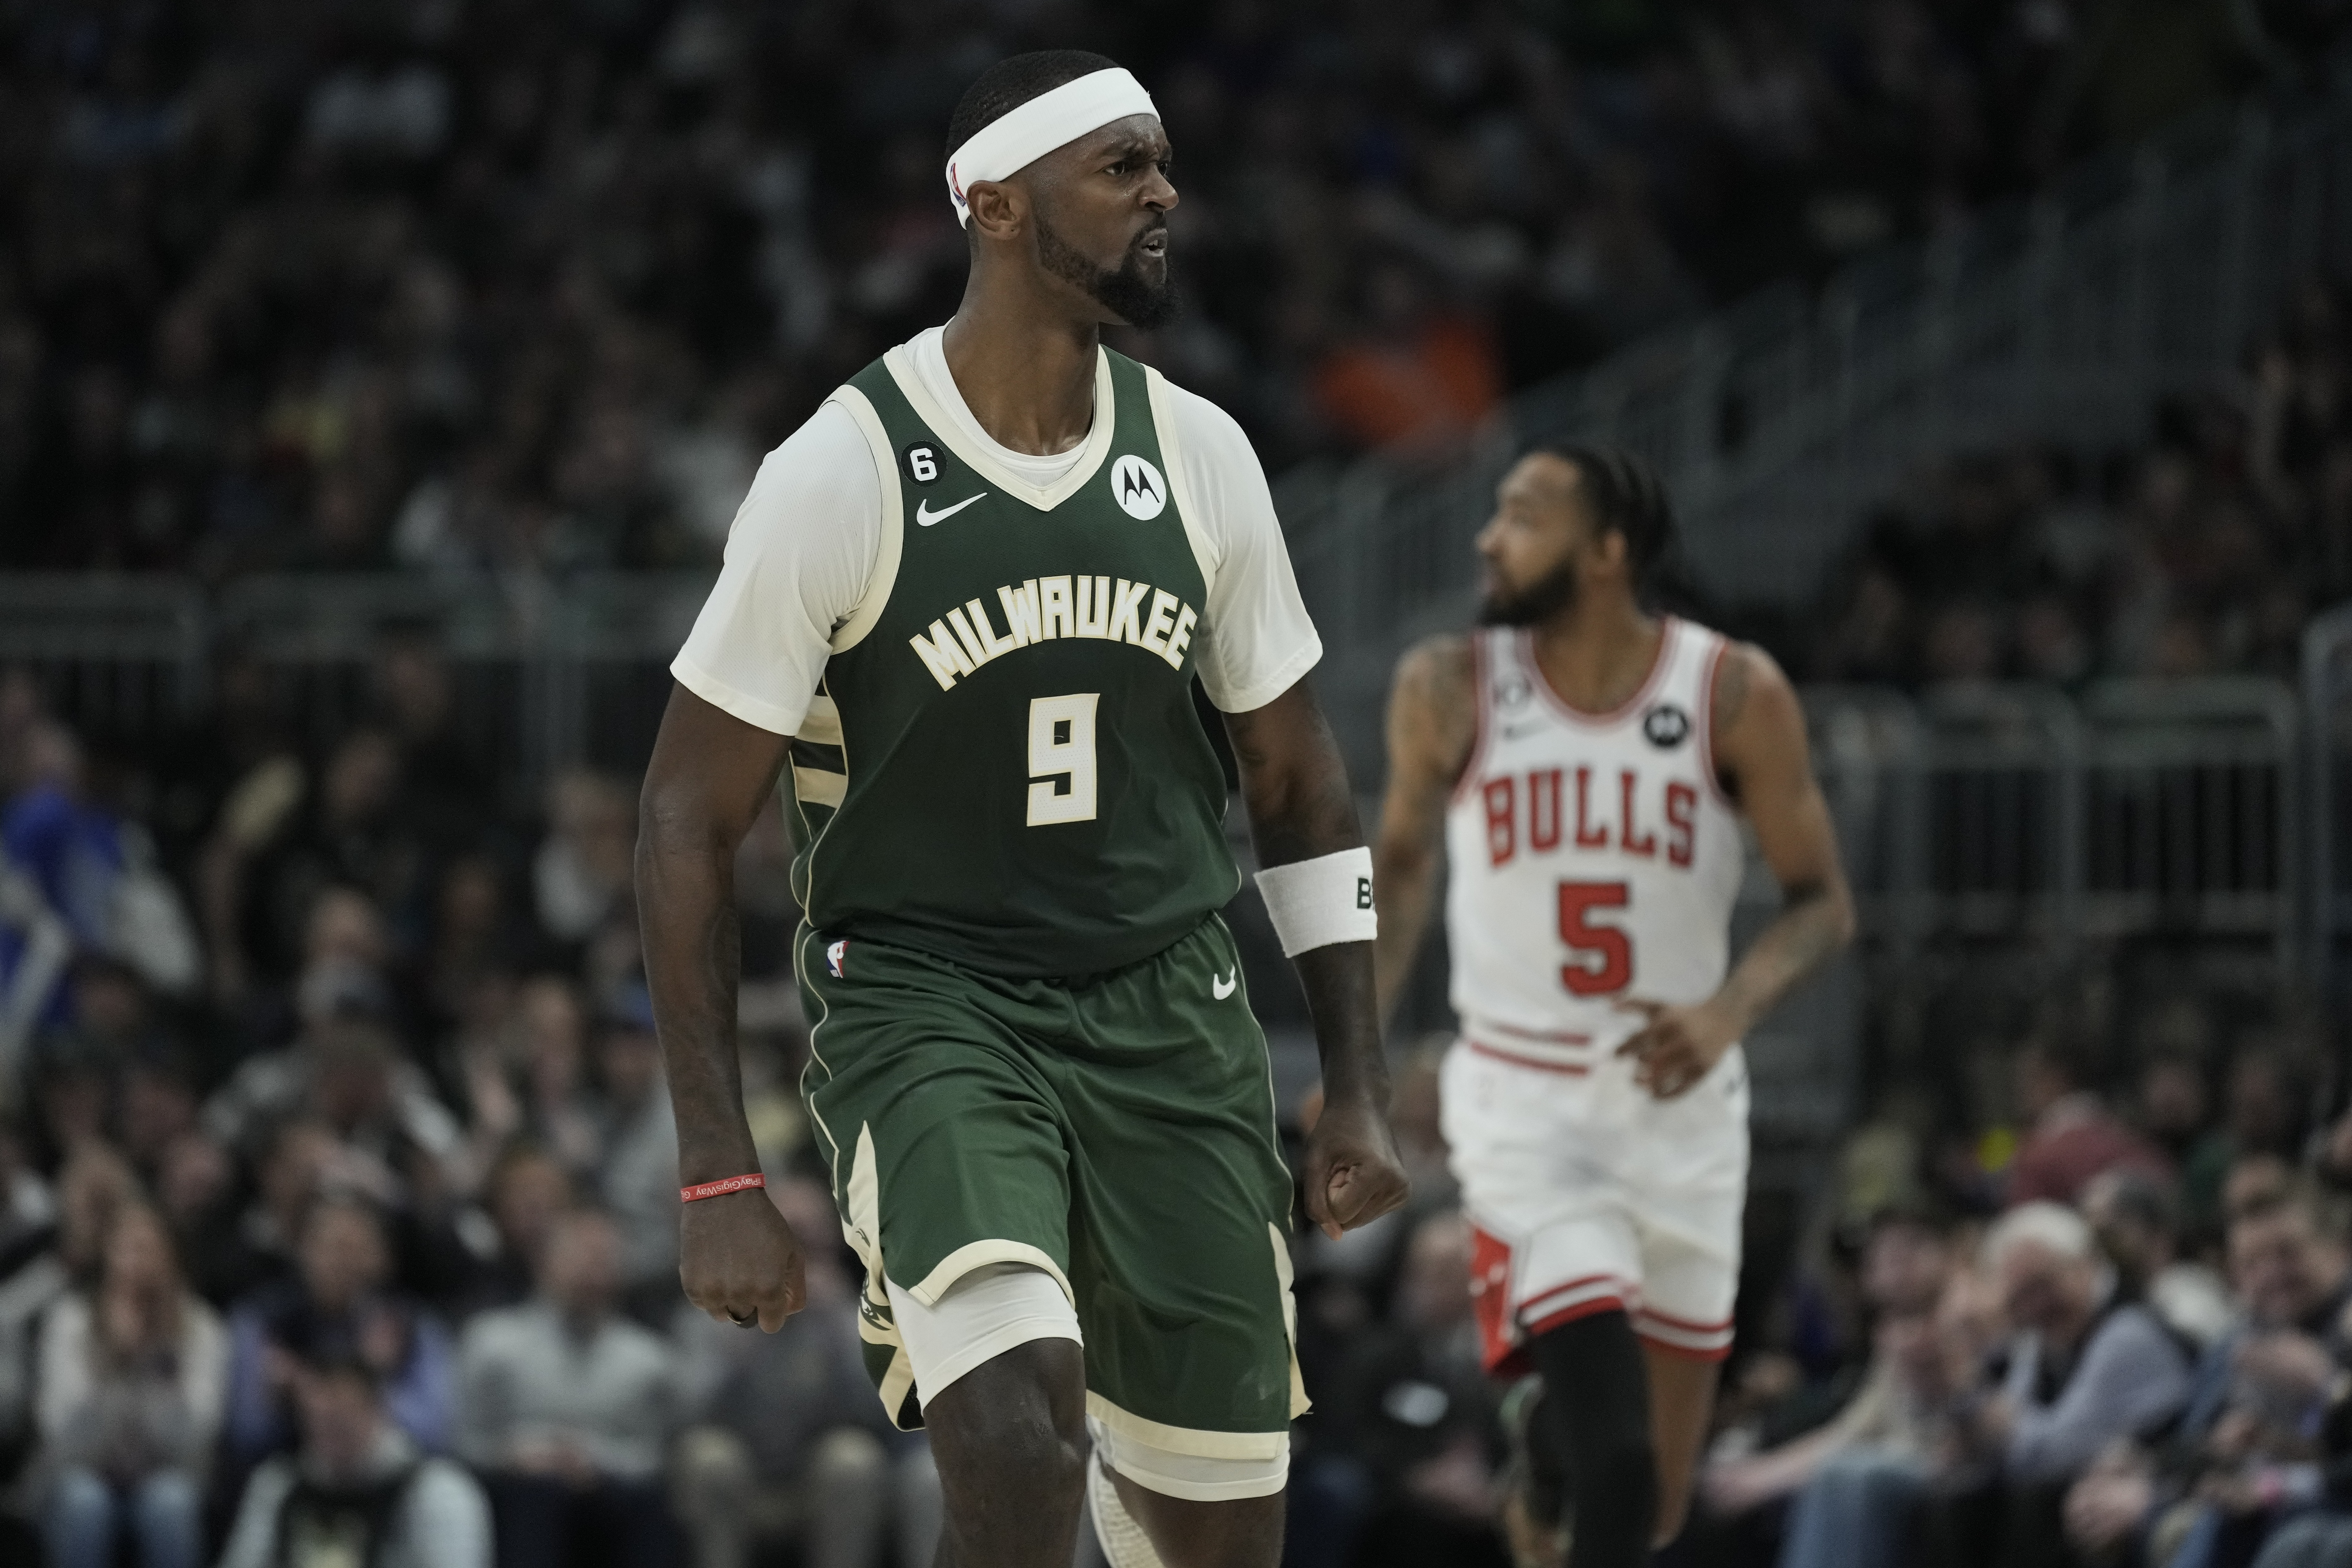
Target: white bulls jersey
1592, 856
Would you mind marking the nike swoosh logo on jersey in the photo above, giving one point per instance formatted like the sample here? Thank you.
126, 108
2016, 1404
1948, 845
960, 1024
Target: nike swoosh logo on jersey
1221, 989
1517, 732
925, 516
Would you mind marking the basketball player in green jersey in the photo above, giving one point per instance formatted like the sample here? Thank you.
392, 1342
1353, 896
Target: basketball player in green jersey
960, 614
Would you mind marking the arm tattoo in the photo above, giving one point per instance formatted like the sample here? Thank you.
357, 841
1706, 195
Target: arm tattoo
1813, 940
1810, 930
1732, 700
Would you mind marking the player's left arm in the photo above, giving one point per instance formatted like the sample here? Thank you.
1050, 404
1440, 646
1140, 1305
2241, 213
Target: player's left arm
1295, 789
1766, 765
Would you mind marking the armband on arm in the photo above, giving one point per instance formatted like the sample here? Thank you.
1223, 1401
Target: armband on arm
1314, 903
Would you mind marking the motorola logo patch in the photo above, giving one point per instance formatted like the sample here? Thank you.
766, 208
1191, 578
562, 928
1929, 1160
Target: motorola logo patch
1139, 488
1667, 725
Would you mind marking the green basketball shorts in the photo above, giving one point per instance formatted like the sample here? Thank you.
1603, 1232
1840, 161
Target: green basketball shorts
1116, 1133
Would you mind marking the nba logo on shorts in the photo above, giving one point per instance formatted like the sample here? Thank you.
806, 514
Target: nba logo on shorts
833, 955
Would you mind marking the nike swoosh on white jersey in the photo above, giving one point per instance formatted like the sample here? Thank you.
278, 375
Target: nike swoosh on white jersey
925, 516
1221, 989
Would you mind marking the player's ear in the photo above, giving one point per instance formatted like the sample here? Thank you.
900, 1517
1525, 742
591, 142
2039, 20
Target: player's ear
1610, 545
1000, 210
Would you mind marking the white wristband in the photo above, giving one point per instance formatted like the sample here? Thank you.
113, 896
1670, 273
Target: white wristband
1314, 903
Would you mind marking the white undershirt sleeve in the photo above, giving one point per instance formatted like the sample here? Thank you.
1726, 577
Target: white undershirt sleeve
1257, 640
799, 555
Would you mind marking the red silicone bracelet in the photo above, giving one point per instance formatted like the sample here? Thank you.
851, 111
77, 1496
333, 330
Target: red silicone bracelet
722, 1187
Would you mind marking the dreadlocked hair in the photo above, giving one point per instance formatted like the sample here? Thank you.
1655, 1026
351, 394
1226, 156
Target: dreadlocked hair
1628, 497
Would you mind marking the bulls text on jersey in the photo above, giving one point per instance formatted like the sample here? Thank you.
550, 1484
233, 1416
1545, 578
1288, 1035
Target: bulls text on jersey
1542, 810
1594, 855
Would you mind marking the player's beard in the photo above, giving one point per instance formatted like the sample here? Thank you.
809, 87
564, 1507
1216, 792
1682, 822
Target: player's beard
1124, 291
1533, 605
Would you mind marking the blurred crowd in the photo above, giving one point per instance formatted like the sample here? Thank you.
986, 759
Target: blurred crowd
337, 1224
2112, 1327
337, 1220
338, 1180
2200, 553
468, 284
2095, 1313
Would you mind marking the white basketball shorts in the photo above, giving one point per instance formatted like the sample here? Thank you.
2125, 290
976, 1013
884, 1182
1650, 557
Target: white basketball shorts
1587, 1193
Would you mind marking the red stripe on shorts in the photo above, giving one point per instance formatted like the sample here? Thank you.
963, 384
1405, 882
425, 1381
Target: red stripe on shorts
1568, 1069
1685, 1323
1688, 1352
1556, 1038
1570, 1314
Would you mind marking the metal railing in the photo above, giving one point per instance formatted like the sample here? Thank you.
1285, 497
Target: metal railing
1779, 422
2327, 719
2018, 818
2016, 812
1988, 810
550, 672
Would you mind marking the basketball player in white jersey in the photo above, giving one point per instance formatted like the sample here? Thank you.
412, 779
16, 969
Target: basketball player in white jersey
1587, 767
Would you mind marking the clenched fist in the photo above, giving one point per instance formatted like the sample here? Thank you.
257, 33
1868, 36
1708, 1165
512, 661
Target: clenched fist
1353, 1174
738, 1260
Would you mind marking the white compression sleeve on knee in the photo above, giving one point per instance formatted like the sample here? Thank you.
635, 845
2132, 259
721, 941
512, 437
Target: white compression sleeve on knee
1314, 903
983, 1315
1193, 1477
1124, 1544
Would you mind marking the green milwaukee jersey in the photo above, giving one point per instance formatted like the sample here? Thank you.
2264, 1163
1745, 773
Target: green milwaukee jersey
1002, 766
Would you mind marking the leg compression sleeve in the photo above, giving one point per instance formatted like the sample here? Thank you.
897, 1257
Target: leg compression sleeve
1597, 1399
1123, 1542
983, 1315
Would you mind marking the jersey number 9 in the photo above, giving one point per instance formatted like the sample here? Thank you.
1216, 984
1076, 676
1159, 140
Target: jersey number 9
1062, 759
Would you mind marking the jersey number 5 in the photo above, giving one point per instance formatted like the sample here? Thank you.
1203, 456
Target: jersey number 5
1062, 759
1600, 956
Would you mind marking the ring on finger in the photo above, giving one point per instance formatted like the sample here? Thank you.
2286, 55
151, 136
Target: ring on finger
744, 1321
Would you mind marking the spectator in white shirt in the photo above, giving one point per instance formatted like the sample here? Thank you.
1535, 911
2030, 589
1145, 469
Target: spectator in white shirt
129, 1402
91, 1188
566, 1408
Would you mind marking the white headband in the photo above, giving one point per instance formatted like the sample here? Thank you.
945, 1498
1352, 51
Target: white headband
1020, 136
